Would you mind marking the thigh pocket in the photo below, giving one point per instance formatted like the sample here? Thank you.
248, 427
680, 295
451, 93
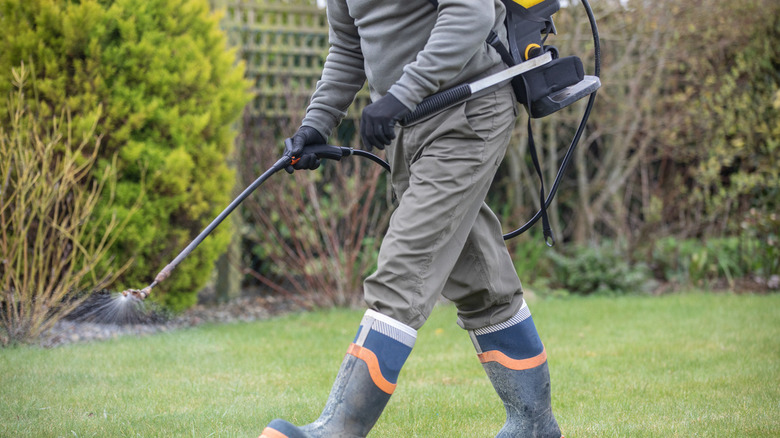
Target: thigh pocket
492, 116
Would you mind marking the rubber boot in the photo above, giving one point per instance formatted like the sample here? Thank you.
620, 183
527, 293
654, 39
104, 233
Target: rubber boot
364, 384
516, 363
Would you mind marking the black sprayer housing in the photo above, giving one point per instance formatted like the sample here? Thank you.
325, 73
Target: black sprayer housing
526, 21
554, 85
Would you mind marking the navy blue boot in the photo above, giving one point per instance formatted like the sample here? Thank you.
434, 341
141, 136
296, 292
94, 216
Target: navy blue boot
366, 379
516, 363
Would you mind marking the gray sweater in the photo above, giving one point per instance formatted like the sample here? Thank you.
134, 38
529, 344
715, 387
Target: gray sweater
403, 47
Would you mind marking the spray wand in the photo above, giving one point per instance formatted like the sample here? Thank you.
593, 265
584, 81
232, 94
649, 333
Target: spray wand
322, 151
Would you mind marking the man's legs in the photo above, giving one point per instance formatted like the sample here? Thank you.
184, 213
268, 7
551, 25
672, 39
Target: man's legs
442, 169
484, 283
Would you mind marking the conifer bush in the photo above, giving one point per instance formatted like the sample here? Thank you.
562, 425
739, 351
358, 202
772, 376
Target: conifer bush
170, 91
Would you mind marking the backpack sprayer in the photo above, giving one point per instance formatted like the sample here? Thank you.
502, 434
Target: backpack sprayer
543, 83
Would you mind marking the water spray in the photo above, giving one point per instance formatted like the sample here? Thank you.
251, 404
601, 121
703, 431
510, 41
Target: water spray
106, 307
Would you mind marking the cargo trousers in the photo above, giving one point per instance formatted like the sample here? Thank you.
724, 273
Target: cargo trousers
443, 239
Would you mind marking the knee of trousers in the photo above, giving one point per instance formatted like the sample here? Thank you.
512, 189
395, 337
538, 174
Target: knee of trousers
395, 297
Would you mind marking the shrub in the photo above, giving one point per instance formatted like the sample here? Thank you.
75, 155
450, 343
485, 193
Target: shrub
761, 229
169, 91
598, 269
528, 253
314, 233
704, 262
719, 113
50, 250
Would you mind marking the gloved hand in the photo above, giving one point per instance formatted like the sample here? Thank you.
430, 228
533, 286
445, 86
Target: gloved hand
377, 124
305, 136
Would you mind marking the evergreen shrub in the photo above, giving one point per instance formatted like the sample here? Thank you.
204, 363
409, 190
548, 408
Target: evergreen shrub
170, 91
598, 269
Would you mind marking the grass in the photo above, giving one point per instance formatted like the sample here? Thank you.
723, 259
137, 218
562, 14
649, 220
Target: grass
680, 365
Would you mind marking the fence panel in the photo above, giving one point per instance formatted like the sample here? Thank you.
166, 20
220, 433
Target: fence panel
284, 44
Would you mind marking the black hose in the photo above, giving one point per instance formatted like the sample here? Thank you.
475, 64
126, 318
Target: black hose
323, 151
372, 157
435, 103
570, 152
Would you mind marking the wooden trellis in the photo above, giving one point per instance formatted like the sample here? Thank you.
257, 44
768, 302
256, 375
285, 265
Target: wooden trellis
284, 44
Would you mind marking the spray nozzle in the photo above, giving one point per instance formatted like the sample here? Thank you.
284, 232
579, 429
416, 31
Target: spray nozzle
135, 294
139, 294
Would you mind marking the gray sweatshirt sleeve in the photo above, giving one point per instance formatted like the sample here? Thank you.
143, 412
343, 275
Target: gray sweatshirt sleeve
460, 31
343, 74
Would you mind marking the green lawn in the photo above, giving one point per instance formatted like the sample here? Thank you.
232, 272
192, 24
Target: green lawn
680, 365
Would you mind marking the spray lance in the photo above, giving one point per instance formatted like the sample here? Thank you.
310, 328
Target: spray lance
542, 81
322, 151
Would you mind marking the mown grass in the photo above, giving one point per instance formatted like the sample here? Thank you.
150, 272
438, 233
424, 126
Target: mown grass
680, 365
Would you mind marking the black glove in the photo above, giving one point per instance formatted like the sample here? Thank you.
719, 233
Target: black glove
377, 124
305, 136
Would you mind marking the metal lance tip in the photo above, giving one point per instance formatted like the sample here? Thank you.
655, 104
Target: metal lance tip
139, 294
135, 293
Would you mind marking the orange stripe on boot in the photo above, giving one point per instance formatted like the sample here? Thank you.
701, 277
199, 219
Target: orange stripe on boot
374, 371
272, 433
513, 364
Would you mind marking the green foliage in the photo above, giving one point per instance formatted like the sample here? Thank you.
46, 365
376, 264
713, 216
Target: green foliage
598, 270
704, 262
685, 261
724, 83
763, 229
50, 250
529, 252
169, 90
